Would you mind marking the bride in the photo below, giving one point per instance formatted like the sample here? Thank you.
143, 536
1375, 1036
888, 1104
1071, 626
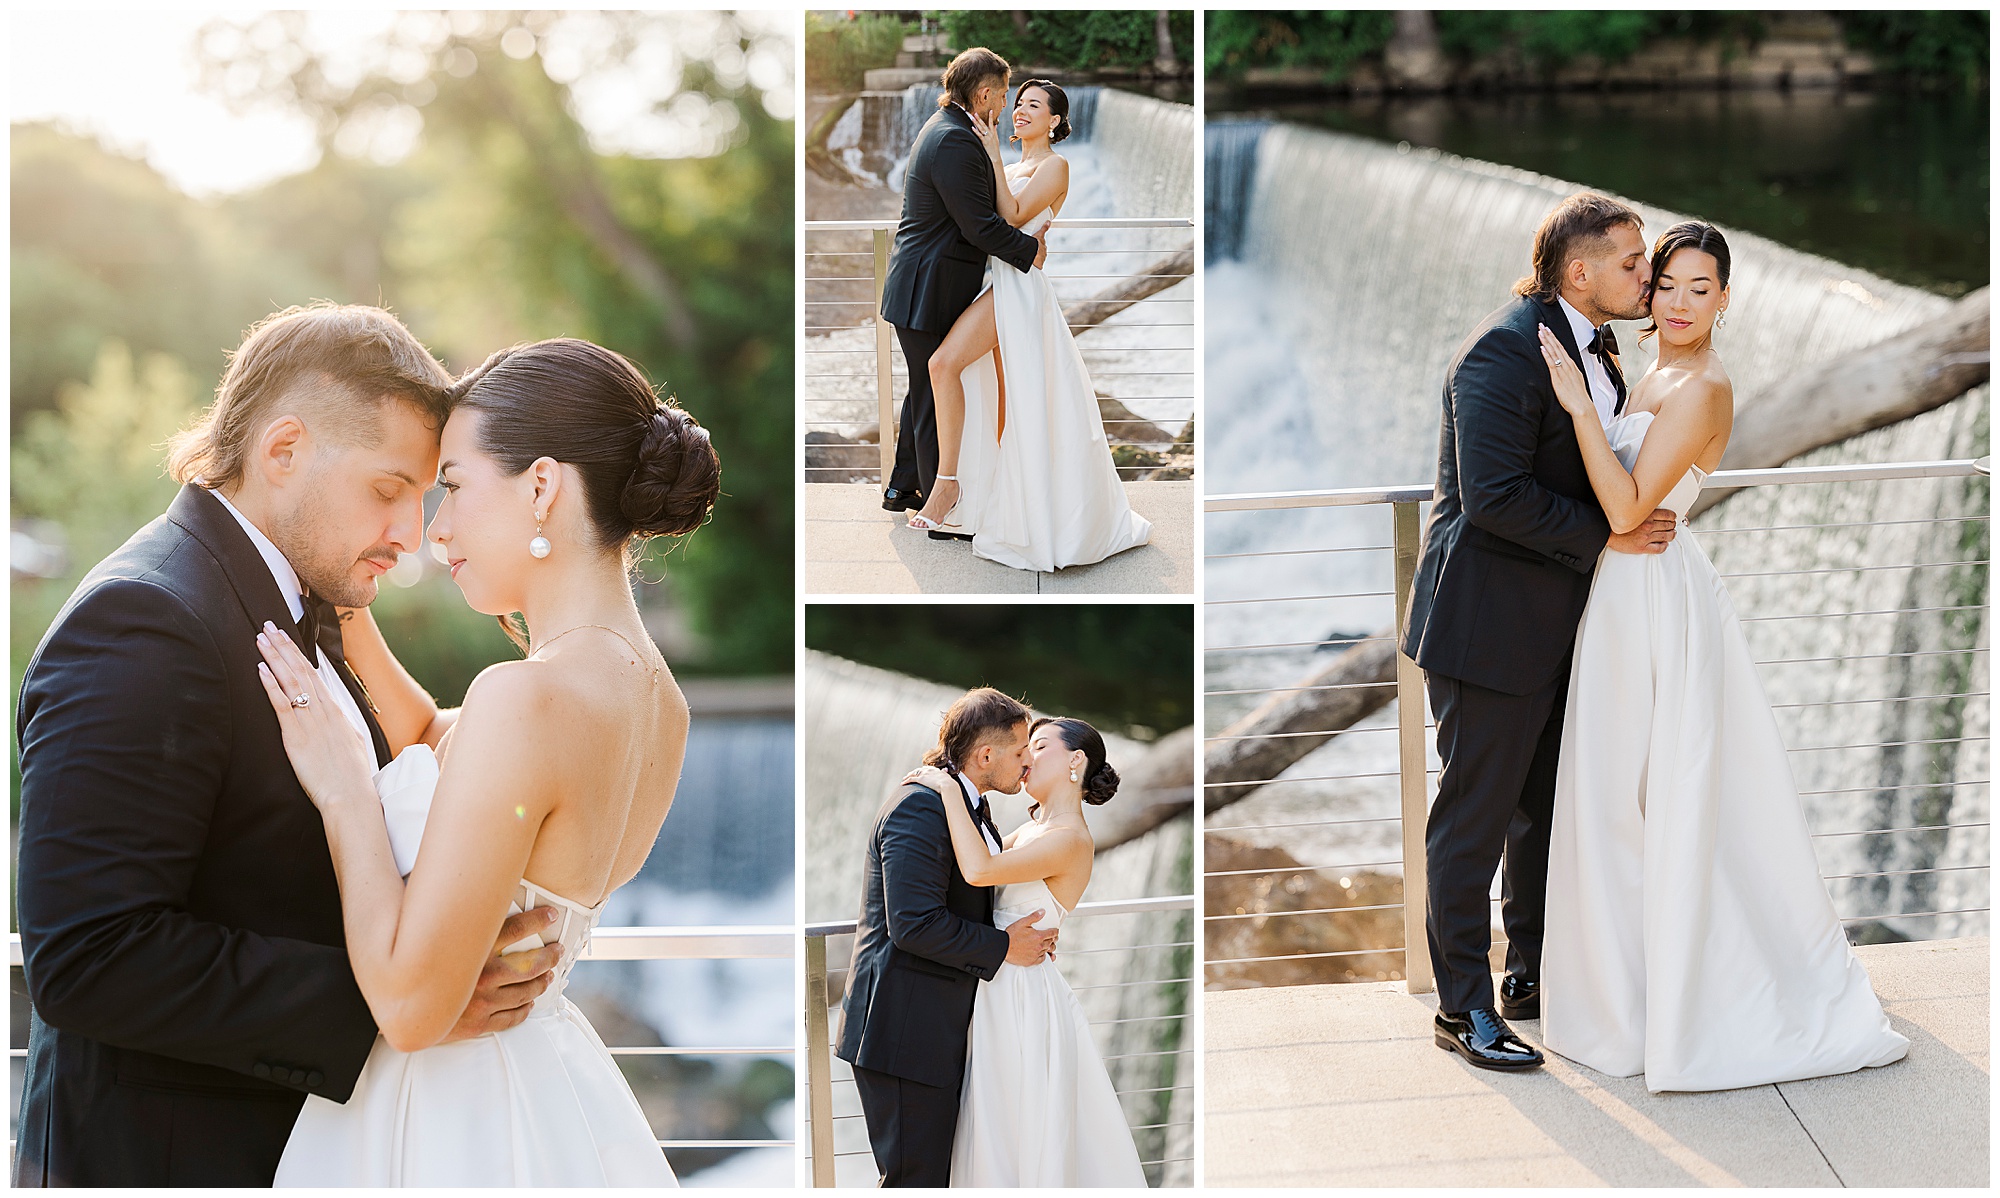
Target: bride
1689, 935
545, 790
1038, 1108
1024, 471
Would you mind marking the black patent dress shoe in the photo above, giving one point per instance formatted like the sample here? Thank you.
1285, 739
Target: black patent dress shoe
894, 500
1485, 1040
1520, 998
939, 534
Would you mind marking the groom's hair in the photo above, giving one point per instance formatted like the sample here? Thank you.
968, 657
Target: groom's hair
977, 717
965, 73
1578, 227
332, 364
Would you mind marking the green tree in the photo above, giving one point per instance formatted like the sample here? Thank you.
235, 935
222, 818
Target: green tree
839, 52
1332, 42
1075, 41
523, 228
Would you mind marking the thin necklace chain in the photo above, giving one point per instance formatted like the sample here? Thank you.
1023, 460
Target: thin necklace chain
604, 628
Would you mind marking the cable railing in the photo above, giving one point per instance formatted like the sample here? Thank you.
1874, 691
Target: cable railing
1134, 327
720, 943
1139, 1021
1301, 888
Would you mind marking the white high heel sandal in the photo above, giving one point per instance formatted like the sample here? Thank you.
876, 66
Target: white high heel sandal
938, 529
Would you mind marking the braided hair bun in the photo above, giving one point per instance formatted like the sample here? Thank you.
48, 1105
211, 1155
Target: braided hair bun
1100, 784
677, 477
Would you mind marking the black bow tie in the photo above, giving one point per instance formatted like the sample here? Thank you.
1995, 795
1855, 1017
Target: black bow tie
1603, 343
320, 625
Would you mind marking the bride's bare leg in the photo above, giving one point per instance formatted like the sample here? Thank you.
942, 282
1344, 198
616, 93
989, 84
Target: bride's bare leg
972, 337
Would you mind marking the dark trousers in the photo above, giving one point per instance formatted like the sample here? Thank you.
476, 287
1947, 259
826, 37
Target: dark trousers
910, 1127
1496, 791
917, 442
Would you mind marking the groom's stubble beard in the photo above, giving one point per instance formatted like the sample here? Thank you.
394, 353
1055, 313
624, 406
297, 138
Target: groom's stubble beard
308, 537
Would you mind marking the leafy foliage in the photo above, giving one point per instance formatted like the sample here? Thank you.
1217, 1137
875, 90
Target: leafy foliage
1332, 41
1126, 667
1076, 41
1947, 48
840, 52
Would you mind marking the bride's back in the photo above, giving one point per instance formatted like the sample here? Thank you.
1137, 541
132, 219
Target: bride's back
613, 726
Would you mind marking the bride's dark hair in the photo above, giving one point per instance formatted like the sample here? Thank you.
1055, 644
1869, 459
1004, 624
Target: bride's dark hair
648, 468
1100, 781
1058, 104
1688, 235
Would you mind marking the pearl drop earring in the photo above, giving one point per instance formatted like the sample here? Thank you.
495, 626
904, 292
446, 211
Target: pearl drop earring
1072, 775
539, 547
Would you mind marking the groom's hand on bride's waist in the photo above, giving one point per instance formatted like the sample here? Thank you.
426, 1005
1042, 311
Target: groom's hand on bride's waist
1028, 944
1651, 537
508, 986
1041, 247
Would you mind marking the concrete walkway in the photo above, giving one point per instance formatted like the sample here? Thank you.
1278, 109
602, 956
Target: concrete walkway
1342, 1086
853, 547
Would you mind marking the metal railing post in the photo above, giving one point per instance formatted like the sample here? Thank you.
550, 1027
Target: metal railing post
1408, 540
885, 366
819, 1064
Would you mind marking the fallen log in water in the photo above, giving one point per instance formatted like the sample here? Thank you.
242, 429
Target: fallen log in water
1152, 789
1347, 689
1123, 294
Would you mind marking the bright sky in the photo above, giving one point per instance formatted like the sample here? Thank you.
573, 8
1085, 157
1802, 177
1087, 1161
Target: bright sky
130, 79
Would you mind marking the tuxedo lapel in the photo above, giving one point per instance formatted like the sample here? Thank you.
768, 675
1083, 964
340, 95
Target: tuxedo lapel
1551, 314
208, 522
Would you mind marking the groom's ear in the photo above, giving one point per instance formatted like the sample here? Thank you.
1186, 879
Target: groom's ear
277, 450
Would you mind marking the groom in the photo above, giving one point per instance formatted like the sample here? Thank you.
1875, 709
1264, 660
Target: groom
1514, 537
924, 941
180, 921
951, 224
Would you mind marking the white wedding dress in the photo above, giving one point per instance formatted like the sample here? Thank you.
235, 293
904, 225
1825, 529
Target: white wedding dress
1689, 935
1043, 493
540, 1104
1038, 1109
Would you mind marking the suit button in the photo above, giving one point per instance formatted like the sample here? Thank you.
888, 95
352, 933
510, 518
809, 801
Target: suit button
315, 1079
261, 1071
298, 1077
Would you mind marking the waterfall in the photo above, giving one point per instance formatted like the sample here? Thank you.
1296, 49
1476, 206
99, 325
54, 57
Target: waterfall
1231, 163
865, 728
1359, 266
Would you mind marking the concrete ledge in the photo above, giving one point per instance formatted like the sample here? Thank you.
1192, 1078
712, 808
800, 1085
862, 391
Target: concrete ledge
853, 547
1342, 1086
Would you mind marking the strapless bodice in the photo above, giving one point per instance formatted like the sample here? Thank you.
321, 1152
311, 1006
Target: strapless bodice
1626, 434
406, 787
1017, 899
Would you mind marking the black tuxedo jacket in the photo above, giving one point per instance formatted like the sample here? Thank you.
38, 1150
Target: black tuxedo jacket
924, 940
179, 914
1516, 530
949, 228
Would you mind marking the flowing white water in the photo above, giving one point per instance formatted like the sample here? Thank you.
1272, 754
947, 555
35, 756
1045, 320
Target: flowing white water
865, 728
1361, 267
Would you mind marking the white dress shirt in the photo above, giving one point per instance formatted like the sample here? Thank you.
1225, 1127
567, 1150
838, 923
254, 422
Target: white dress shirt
972, 800
293, 590
1603, 392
